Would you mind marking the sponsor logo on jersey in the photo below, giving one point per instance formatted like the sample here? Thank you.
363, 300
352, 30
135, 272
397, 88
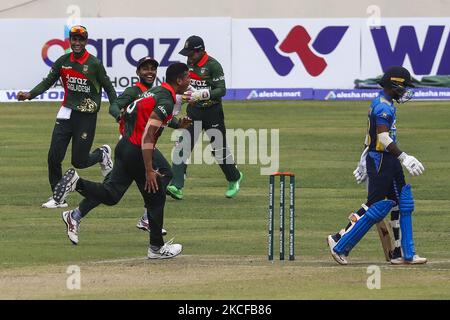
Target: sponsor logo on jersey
77, 84
163, 110
76, 80
199, 83
219, 78
147, 94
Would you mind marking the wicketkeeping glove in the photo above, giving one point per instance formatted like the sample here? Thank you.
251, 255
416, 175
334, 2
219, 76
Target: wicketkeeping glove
413, 165
199, 95
360, 172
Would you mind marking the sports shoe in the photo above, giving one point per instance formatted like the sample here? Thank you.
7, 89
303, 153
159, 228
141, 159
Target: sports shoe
233, 187
339, 258
106, 165
167, 251
52, 204
415, 260
67, 184
143, 225
72, 226
397, 261
174, 192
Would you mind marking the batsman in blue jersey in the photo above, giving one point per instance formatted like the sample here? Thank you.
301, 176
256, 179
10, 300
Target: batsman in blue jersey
381, 163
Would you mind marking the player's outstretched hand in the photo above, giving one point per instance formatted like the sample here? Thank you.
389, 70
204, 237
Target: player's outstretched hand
414, 167
22, 96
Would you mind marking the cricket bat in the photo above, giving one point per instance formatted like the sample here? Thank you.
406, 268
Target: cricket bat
384, 231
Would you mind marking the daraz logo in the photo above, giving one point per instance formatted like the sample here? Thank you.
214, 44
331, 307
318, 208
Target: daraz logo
298, 41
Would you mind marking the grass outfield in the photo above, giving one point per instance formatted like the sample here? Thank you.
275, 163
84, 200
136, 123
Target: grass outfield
225, 241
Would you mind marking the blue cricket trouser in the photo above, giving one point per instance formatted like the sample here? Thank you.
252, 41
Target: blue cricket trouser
386, 178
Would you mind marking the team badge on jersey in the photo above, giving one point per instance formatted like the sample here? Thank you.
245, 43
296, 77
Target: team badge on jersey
85, 68
384, 115
202, 70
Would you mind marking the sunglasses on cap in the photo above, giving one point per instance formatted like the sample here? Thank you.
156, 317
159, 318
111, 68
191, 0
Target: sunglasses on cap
78, 30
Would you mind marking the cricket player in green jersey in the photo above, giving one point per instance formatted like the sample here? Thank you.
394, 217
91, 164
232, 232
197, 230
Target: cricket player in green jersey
205, 105
146, 70
83, 77
136, 160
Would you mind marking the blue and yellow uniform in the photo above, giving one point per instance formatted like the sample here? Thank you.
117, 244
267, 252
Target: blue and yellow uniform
387, 191
384, 170
382, 112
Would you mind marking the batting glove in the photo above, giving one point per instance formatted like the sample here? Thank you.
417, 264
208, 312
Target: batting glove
360, 172
414, 167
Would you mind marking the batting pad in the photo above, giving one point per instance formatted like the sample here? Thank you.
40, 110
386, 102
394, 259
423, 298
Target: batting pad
376, 213
406, 206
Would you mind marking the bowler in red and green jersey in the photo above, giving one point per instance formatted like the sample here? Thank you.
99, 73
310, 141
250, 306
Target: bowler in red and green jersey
83, 77
138, 160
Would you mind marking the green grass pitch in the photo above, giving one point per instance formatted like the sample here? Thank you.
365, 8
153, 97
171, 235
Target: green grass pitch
225, 240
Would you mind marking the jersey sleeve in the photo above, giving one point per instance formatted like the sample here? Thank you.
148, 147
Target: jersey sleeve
218, 89
105, 82
50, 80
384, 115
173, 123
127, 97
163, 109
